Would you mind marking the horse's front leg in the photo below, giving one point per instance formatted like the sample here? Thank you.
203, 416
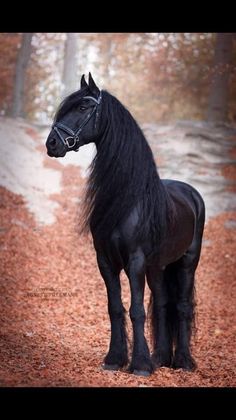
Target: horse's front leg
141, 361
117, 355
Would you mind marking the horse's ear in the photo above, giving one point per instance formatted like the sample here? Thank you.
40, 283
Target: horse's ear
83, 82
92, 86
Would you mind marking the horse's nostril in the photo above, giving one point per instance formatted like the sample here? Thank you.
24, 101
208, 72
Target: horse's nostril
52, 142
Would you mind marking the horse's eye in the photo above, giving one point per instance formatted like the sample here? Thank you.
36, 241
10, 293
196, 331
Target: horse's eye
81, 108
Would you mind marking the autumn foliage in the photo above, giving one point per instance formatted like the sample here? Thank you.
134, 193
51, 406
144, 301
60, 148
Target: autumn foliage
159, 76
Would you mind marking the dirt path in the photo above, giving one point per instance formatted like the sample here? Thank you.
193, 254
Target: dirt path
54, 327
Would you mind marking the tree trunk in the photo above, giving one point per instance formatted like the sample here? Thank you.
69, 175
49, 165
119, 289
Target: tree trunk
108, 58
218, 99
23, 58
69, 77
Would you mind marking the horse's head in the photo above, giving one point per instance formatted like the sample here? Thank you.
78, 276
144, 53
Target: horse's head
77, 120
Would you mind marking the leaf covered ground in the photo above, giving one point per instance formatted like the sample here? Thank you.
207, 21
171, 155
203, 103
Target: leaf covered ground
54, 325
54, 321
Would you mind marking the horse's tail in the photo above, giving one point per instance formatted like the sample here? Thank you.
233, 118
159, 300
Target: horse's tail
150, 319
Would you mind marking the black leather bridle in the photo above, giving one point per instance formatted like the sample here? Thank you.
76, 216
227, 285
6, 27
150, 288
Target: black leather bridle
74, 135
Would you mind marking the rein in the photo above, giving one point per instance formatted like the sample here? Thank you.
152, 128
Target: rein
74, 135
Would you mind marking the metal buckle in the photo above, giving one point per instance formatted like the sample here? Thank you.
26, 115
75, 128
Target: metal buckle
70, 146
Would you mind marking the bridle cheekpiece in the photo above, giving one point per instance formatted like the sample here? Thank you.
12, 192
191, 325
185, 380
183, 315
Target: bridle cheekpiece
73, 139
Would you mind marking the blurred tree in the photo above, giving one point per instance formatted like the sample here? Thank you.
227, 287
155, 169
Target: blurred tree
158, 76
69, 78
219, 88
178, 74
23, 58
43, 83
9, 46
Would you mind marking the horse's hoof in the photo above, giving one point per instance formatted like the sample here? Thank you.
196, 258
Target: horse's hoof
158, 363
161, 360
184, 362
105, 366
141, 372
184, 368
188, 367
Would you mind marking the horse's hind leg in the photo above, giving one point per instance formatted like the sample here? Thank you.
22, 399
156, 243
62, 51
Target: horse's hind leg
185, 313
117, 355
157, 281
185, 271
141, 362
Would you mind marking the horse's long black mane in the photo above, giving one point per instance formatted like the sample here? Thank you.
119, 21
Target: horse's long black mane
123, 174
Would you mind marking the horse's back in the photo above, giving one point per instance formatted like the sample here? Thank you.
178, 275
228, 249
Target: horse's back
181, 190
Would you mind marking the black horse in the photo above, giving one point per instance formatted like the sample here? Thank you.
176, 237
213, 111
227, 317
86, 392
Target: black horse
150, 227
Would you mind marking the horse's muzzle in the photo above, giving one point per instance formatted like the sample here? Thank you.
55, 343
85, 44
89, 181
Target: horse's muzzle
54, 147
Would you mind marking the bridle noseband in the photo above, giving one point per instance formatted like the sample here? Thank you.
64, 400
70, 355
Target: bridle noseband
74, 135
